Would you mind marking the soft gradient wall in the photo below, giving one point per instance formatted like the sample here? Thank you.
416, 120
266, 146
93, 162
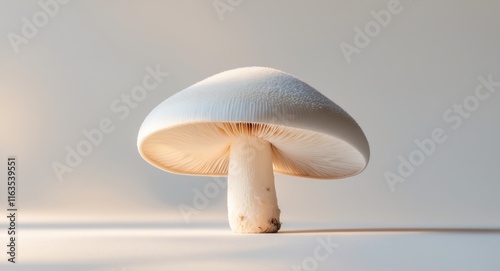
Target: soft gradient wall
71, 74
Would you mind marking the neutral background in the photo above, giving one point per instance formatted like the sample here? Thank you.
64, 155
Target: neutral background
428, 58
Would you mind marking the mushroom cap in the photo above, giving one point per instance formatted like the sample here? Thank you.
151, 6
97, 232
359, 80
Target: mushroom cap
191, 132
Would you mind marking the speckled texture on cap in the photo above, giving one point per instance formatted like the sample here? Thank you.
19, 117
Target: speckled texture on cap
251, 95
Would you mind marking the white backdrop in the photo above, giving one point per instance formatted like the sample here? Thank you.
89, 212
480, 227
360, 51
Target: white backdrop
401, 77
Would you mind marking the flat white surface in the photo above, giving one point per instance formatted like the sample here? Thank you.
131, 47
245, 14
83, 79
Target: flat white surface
215, 247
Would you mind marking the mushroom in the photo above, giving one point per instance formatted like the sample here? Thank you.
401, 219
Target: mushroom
246, 123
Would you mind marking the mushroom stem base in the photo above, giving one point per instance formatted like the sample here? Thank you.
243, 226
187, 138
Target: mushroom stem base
251, 195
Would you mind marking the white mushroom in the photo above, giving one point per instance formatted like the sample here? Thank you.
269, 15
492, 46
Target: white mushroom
246, 123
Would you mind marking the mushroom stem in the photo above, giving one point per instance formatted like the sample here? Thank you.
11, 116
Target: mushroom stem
251, 196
